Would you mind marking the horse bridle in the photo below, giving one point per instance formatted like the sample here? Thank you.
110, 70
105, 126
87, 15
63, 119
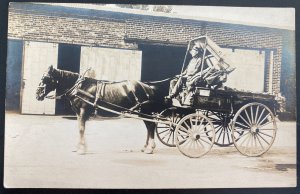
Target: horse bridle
66, 92
43, 87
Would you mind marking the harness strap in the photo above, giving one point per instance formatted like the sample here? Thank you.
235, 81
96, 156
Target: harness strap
141, 84
98, 91
131, 90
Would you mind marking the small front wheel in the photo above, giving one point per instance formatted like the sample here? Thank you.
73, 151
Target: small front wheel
194, 135
165, 132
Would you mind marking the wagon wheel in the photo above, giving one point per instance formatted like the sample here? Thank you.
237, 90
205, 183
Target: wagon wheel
195, 135
253, 129
165, 132
221, 122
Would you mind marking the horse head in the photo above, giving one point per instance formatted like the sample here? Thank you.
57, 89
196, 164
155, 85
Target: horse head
48, 83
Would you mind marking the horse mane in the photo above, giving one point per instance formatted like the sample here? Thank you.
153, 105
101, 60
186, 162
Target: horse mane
64, 73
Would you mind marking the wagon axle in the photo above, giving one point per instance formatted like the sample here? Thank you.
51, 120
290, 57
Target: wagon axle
196, 136
254, 129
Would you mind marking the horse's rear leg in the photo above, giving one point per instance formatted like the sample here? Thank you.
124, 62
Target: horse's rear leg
81, 118
150, 144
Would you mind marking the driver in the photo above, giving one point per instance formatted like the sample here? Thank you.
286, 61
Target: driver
193, 67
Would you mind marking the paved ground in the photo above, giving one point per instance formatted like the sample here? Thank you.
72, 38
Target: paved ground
38, 153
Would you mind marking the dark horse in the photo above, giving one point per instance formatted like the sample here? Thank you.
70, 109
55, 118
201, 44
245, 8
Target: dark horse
147, 97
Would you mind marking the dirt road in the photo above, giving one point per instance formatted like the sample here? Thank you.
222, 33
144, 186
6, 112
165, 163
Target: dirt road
38, 154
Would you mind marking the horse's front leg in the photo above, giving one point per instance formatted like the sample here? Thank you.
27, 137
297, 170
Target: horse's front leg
81, 118
150, 144
147, 141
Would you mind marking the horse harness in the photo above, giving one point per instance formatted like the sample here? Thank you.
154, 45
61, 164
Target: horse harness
100, 89
99, 95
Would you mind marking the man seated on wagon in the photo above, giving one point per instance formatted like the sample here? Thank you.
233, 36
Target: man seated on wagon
191, 74
203, 70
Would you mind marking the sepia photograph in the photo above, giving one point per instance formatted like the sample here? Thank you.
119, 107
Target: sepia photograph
130, 96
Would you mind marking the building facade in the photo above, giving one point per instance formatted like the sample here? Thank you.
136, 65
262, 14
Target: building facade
120, 45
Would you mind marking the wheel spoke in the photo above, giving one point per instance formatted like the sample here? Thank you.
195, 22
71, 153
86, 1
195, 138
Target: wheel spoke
264, 119
260, 143
219, 128
183, 129
189, 127
164, 131
190, 142
228, 135
261, 114
249, 139
224, 133
244, 121
177, 119
166, 135
263, 139
251, 144
242, 129
200, 143
169, 136
255, 120
201, 129
205, 131
255, 143
270, 129
163, 127
201, 122
206, 136
173, 137
247, 134
240, 137
205, 141
192, 125
220, 135
185, 142
247, 127
251, 109
261, 126
180, 132
247, 116
265, 134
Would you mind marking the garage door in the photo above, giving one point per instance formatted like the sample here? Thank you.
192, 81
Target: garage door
37, 58
111, 64
249, 72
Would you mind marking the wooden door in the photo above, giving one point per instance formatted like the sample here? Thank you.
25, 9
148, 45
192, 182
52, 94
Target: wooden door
37, 57
250, 69
111, 64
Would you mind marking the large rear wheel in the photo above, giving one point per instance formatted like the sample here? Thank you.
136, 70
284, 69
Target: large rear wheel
254, 129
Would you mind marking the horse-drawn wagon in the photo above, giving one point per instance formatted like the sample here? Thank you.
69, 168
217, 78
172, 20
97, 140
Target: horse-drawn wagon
217, 115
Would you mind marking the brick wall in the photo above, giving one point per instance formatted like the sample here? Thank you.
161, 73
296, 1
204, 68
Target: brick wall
122, 30
63, 29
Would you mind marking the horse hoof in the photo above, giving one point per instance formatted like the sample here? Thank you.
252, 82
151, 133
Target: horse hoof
81, 152
148, 151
